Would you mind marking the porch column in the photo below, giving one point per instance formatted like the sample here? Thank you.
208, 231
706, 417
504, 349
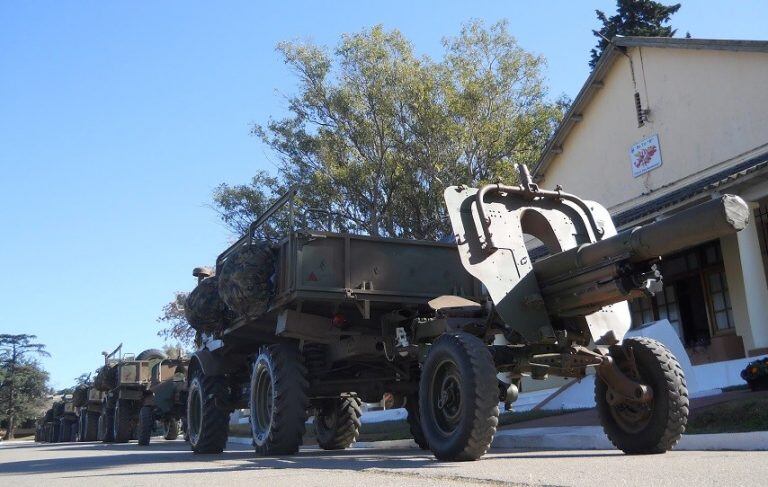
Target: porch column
755, 287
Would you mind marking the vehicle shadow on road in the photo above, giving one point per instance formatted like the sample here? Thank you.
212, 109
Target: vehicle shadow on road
240, 458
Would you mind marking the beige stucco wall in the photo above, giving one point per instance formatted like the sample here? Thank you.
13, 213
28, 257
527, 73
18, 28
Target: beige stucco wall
709, 108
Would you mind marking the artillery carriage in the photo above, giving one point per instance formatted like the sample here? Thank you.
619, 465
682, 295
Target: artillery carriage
318, 321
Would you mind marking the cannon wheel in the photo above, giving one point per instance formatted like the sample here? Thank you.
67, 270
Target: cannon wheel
646, 428
459, 397
146, 422
207, 422
337, 422
171, 429
278, 400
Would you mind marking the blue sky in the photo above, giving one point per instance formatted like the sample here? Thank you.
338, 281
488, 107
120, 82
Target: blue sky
117, 119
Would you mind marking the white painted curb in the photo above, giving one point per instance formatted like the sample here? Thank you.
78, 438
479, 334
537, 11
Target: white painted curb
579, 438
593, 438
379, 445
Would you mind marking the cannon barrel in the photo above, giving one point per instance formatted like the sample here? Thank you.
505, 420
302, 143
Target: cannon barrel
587, 277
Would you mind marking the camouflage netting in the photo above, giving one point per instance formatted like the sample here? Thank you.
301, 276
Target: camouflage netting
204, 308
106, 378
80, 396
245, 280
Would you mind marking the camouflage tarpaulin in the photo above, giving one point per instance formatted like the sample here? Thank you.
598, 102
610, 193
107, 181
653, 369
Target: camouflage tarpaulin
106, 378
204, 309
80, 396
245, 280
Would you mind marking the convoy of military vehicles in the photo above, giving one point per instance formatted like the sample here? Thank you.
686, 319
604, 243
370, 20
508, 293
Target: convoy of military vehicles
315, 323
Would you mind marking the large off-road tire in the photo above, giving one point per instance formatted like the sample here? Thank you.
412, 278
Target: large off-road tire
91, 426
656, 426
459, 397
414, 421
65, 431
171, 429
278, 400
207, 421
337, 422
146, 425
106, 430
123, 423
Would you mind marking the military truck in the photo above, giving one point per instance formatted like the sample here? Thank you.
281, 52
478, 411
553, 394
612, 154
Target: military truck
60, 422
166, 401
535, 284
88, 401
124, 382
47, 433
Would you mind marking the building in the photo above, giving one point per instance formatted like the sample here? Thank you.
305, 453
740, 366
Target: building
660, 125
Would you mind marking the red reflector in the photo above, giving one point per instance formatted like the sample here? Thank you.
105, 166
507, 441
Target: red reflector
339, 321
312, 277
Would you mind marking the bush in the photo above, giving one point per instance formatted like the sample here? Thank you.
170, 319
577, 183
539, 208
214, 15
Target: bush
756, 374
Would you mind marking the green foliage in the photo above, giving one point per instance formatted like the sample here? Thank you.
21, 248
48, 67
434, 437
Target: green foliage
176, 329
375, 132
644, 18
22, 380
746, 413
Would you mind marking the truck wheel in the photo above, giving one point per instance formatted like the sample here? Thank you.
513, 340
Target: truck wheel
74, 434
171, 429
81, 427
146, 422
123, 422
106, 432
208, 424
278, 400
459, 397
414, 421
337, 422
65, 431
91, 427
653, 427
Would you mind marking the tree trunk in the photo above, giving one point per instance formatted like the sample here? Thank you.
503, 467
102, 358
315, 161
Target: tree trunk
9, 433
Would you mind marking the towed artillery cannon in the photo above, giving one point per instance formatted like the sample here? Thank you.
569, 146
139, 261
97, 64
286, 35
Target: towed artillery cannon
317, 322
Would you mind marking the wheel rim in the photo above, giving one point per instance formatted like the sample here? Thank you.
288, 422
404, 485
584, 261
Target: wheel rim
446, 400
195, 414
633, 416
262, 403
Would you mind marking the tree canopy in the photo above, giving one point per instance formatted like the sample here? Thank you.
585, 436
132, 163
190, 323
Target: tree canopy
376, 132
633, 18
22, 380
177, 329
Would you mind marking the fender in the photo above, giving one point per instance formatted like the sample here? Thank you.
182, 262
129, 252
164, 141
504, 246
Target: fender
214, 364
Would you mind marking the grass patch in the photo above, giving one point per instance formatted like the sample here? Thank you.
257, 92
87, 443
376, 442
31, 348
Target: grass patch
737, 416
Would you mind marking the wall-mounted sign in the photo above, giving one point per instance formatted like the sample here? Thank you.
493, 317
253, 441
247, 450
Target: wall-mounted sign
645, 155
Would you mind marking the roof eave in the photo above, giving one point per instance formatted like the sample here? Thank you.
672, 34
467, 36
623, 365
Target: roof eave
593, 84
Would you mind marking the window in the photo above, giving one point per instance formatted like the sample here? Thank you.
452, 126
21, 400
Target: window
642, 311
695, 297
720, 301
666, 302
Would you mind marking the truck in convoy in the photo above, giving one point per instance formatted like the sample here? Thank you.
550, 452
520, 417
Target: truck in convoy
87, 400
316, 322
124, 381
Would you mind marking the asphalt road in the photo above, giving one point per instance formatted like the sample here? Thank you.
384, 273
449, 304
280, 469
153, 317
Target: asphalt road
170, 463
